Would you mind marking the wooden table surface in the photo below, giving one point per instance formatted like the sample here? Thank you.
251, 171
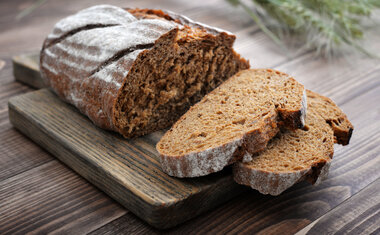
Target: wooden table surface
39, 194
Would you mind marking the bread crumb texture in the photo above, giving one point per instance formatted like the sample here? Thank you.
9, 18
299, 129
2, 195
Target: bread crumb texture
242, 114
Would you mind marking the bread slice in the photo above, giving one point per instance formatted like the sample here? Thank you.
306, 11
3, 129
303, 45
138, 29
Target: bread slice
135, 71
300, 155
242, 114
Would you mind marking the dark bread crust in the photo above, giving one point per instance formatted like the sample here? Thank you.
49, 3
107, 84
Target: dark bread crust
178, 18
91, 74
273, 182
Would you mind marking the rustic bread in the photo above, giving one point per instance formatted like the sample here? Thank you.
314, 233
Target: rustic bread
300, 155
135, 71
242, 114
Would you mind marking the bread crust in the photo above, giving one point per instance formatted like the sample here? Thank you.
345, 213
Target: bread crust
274, 183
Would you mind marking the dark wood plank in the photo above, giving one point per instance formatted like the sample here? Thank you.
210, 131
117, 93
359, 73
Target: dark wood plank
26, 70
63, 203
359, 214
5, 70
126, 224
127, 170
19, 154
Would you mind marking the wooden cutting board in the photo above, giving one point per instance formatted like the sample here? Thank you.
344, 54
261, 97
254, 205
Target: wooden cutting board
127, 170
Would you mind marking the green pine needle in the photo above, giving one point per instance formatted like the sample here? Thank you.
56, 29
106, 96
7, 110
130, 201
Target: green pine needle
322, 25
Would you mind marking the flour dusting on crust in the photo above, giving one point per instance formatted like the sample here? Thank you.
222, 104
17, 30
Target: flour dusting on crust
201, 163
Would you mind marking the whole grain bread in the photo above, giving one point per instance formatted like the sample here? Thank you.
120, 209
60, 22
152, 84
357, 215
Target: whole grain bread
293, 156
241, 115
135, 71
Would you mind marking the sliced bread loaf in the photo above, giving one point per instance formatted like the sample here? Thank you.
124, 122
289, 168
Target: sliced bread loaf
300, 155
242, 114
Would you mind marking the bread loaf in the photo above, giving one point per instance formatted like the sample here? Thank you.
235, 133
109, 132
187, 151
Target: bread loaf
241, 115
293, 156
135, 71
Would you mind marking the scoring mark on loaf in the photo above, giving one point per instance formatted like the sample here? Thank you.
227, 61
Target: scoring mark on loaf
116, 69
72, 32
120, 54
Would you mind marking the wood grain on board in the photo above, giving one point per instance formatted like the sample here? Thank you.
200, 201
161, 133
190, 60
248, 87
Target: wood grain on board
73, 207
26, 70
352, 82
360, 214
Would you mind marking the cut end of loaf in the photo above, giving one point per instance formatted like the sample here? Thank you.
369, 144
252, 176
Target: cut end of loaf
178, 71
300, 155
244, 113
